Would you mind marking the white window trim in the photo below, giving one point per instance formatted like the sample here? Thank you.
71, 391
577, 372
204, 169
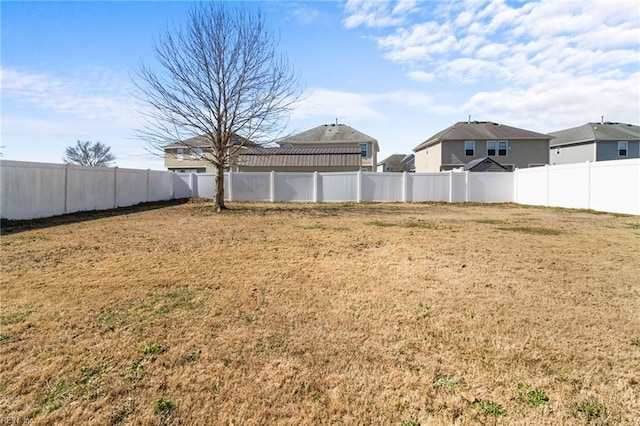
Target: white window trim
506, 150
366, 150
626, 148
180, 154
495, 149
473, 148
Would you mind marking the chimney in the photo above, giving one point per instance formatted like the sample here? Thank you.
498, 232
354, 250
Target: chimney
602, 119
469, 120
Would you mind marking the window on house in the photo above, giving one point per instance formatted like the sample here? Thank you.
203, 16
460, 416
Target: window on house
492, 146
363, 149
502, 148
469, 148
196, 153
623, 148
180, 154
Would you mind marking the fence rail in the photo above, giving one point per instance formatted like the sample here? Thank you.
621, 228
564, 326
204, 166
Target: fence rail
33, 190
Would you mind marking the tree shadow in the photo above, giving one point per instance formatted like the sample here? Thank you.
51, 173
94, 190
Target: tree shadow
8, 227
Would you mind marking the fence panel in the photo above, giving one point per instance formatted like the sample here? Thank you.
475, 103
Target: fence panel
205, 185
615, 186
427, 187
159, 185
294, 187
182, 186
569, 186
531, 186
131, 187
251, 186
90, 188
488, 187
337, 187
381, 187
459, 189
31, 190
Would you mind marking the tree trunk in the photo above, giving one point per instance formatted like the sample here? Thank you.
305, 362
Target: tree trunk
218, 203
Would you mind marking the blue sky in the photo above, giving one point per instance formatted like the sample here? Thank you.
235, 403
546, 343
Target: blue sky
398, 71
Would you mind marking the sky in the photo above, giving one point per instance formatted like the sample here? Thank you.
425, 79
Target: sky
398, 71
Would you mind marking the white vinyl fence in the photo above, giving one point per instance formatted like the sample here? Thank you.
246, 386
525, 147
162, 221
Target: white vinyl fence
33, 190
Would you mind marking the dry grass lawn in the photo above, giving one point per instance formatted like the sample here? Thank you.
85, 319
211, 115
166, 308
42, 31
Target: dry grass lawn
385, 314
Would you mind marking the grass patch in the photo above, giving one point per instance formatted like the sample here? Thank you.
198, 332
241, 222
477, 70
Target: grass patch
163, 406
8, 318
490, 408
154, 349
591, 410
532, 395
532, 230
381, 224
447, 383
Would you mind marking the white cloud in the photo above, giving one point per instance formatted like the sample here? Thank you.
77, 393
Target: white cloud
97, 95
346, 105
370, 13
552, 104
421, 76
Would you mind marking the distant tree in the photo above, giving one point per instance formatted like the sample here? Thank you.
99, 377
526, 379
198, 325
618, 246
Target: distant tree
220, 80
89, 154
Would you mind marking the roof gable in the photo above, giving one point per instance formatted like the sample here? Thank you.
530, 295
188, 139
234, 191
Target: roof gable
481, 130
591, 132
484, 164
328, 134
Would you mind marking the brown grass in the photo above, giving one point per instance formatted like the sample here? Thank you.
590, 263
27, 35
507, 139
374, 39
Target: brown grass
323, 314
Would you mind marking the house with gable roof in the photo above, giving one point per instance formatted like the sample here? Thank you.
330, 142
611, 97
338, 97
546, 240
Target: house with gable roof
465, 142
595, 142
325, 148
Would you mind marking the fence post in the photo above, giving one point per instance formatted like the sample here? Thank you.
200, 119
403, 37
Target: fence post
148, 185
359, 187
467, 184
404, 187
66, 187
230, 185
450, 186
272, 186
515, 186
315, 187
588, 184
115, 187
172, 183
546, 169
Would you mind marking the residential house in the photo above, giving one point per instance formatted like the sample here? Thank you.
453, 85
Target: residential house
300, 159
464, 142
595, 142
323, 147
191, 155
394, 163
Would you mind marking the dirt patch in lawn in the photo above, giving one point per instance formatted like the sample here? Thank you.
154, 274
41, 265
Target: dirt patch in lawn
323, 314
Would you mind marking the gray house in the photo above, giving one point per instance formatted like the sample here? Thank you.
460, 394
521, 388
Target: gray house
463, 143
595, 142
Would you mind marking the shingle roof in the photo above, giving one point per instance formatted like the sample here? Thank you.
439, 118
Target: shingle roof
394, 158
591, 132
301, 157
475, 163
202, 142
481, 130
330, 133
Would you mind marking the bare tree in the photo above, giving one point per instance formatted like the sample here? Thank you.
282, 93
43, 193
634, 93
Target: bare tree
89, 154
221, 81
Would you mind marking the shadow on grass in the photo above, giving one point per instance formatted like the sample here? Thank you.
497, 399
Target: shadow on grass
8, 227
